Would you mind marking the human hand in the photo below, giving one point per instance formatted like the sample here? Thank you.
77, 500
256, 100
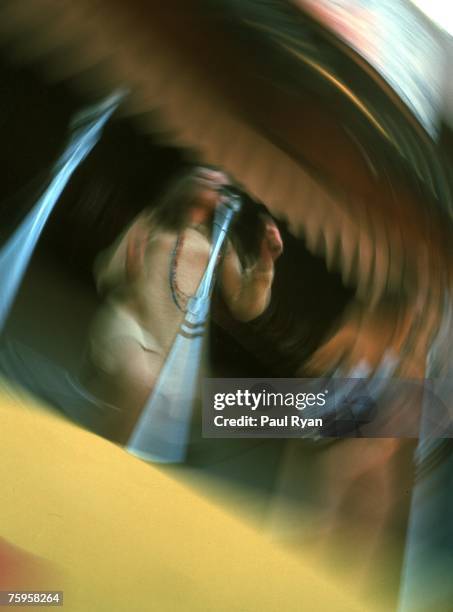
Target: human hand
271, 243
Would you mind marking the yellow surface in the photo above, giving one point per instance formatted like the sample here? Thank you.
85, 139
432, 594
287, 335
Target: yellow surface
127, 537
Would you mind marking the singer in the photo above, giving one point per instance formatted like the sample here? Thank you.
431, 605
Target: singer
147, 278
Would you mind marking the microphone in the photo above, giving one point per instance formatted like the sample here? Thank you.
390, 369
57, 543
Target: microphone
233, 197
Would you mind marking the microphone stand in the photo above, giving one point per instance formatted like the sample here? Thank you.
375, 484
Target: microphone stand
162, 431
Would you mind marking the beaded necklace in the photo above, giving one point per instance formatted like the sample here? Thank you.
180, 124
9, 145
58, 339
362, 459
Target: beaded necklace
176, 293
180, 298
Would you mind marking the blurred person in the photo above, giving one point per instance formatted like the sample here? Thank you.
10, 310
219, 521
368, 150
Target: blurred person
148, 277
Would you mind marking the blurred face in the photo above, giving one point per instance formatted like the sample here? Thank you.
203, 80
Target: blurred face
209, 185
